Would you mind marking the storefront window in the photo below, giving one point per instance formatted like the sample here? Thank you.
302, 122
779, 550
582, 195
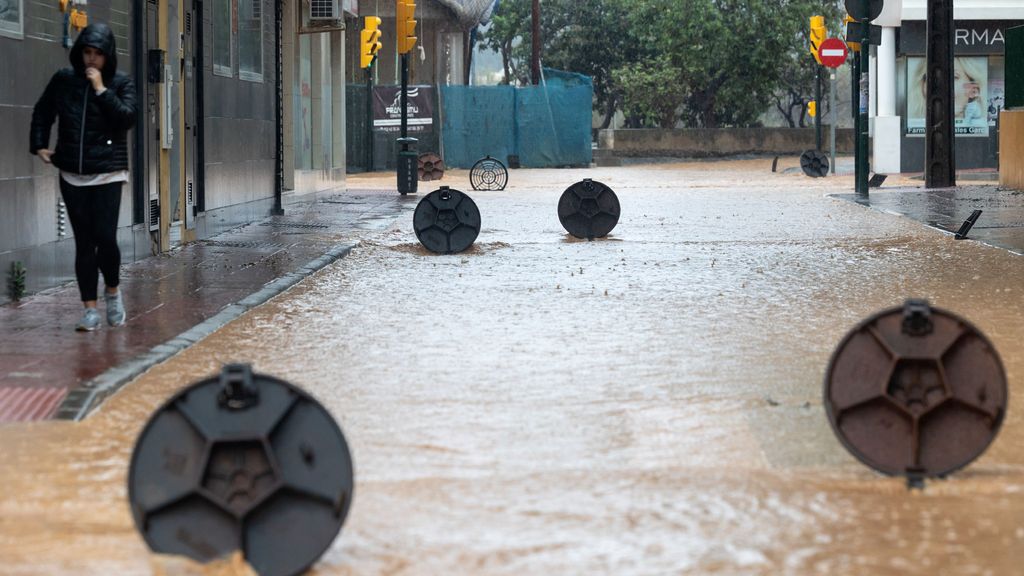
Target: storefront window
304, 108
250, 40
996, 87
222, 38
970, 89
12, 19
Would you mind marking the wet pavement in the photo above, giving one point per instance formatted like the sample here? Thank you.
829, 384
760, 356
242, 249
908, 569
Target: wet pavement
49, 370
1001, 222
649, 403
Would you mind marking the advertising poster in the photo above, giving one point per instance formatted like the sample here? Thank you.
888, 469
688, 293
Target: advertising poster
970, 91
996, 88
387, 108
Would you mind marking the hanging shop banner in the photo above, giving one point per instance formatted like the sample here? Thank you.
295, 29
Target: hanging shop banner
970, 89
387, 108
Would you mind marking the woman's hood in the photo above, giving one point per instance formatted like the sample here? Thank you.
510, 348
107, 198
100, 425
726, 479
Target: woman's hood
100, 37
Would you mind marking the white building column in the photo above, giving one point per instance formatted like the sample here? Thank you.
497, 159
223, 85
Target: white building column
887, 124
887, 132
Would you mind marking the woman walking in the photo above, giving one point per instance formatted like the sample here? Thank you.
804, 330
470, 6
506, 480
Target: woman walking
95, 106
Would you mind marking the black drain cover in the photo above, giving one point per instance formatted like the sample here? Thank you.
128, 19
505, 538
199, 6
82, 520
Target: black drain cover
446, 221
814, 163
588, 209
241, 461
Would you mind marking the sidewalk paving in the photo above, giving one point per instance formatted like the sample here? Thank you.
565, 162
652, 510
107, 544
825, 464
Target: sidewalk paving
47, 370
1001, 223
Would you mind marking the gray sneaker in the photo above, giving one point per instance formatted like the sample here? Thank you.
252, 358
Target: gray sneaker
90, 321
115, 308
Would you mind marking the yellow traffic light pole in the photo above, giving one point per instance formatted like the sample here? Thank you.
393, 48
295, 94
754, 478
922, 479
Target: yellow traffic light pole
818, 34
369, 48
405, 37
405, 24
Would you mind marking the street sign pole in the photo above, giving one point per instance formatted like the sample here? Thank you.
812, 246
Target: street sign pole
832, 53
369, 116
862, 127
820, 108
835, 118
405, 94
855, 108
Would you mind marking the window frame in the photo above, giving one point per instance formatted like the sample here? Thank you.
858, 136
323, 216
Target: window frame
6, 28
220, 69
247, 75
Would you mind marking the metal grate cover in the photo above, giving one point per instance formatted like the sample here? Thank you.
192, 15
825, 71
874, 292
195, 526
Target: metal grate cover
243, 244
303, 225
154, 213
323, 9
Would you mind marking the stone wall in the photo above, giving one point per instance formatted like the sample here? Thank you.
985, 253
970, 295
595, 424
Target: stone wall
719, 142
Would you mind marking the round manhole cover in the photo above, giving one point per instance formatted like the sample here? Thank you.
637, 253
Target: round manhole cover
488, 174
245, 462
915, 391
446, 221
814, 163
588, 209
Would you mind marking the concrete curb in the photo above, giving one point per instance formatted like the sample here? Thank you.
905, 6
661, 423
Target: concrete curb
82, 401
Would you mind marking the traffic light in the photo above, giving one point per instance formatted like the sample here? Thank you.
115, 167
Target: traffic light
370, 41
812, 109
854, 46
818, 35
405, 25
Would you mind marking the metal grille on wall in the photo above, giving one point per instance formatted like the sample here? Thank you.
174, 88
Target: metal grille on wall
323, 9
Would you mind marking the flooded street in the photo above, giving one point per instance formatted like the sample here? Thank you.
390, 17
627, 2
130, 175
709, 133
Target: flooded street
648, 403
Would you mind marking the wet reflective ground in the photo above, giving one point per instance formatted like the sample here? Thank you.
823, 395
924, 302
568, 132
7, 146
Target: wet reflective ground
649, 403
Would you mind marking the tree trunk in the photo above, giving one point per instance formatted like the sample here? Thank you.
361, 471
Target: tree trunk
786, 113
708, 111
535, 57
609, 113
504, 62
468, 60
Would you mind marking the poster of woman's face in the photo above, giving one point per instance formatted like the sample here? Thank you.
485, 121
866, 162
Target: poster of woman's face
970, 95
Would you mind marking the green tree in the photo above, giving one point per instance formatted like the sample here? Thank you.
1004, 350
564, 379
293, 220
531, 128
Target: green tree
796, 84
595, 39
730, 60
651, 91
508, 26
732, 54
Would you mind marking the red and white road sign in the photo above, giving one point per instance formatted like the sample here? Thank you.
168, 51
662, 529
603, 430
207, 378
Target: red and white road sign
833, 52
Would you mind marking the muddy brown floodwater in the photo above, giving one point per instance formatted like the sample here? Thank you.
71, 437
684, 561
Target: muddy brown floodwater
649, 403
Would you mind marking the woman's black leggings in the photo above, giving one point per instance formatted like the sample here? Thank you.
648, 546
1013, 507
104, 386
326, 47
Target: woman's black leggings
93, 212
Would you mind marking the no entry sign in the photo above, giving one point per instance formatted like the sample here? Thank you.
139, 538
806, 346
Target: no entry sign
832, 52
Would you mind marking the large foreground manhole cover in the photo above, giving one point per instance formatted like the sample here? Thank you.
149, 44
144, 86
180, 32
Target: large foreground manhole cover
915, 391
241, 461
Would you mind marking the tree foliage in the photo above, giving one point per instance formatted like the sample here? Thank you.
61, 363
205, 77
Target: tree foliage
720, 62
651, 92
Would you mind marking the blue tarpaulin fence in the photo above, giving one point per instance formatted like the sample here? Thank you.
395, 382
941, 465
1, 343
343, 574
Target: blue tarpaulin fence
545, 126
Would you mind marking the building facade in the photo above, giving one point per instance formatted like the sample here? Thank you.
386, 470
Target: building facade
897, 80
219, 142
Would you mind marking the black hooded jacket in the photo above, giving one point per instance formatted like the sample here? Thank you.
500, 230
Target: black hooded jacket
92, 132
